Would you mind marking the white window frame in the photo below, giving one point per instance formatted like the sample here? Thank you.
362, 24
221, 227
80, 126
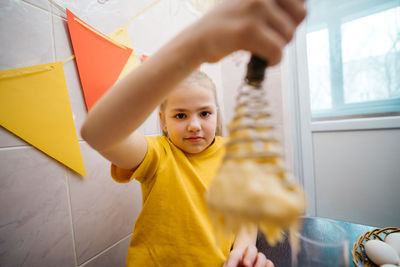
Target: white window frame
298, 124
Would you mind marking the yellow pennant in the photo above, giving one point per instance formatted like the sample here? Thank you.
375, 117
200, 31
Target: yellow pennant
34, 105
121, 35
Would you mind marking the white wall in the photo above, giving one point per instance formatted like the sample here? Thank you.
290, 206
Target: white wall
50, 216
357, 176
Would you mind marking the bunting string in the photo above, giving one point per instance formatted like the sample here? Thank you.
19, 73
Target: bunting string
141, 12
68, 59
24, 72
99, 33
63, 10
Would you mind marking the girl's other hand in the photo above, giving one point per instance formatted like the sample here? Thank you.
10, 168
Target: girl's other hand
249, 258
262, 27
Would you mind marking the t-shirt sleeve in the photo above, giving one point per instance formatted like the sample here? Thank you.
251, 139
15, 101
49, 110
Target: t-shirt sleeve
147, 168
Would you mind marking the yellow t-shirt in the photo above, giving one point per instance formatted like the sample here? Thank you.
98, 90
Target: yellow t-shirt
173, 228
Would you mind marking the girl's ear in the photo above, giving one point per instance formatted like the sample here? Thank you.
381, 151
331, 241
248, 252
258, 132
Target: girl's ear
161, 116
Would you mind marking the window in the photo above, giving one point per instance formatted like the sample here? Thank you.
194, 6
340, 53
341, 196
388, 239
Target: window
353, 54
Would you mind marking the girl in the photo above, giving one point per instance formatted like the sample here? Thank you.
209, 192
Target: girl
173, 228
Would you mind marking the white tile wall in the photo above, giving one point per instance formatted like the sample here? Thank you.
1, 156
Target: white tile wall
26, 36
35, 228
157, 26
103, 211
43, 4
151, 126
114, 256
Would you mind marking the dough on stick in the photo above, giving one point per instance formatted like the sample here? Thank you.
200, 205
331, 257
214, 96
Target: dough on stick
252, 186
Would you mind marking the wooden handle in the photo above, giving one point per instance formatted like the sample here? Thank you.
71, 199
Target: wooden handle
256, 70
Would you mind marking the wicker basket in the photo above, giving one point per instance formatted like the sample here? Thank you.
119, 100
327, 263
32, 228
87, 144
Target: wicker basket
359, 257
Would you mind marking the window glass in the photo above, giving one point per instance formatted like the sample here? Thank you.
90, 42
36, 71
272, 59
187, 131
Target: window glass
353, 54
318, 62
369, 49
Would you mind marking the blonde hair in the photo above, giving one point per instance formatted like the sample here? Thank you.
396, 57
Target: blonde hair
202, 79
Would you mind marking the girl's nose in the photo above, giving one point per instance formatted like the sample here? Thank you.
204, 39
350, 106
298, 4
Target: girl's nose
194, 125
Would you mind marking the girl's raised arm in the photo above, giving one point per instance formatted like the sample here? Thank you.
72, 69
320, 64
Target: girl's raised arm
262, 27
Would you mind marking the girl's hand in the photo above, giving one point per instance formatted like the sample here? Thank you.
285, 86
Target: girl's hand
262, 27
249, 258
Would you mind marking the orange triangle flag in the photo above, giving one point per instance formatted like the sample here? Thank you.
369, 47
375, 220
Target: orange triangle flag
100, 59
34, 105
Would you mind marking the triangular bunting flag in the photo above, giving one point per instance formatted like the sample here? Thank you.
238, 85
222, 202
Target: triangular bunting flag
34, 105
143, 58
121, 36
100, 59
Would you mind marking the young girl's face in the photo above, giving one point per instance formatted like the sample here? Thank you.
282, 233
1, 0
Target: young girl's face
190, 117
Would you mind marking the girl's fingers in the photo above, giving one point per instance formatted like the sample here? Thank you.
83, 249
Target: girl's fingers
270, 29
269, 45
249, 256
269, 264
261, 260
233, 259
295, 8
279, 20
269, 13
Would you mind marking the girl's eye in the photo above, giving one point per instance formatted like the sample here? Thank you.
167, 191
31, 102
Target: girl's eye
205, 114
180, 116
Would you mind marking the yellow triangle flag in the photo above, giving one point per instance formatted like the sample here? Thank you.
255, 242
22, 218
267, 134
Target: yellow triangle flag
34, 105
121, 35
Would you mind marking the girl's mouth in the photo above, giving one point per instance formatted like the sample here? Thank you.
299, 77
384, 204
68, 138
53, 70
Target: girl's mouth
194, 139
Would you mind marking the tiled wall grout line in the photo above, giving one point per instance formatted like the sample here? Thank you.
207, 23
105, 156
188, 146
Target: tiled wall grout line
70, 217
37, 6
41, 8
27, 146
52, 33
14, 147
104, 251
